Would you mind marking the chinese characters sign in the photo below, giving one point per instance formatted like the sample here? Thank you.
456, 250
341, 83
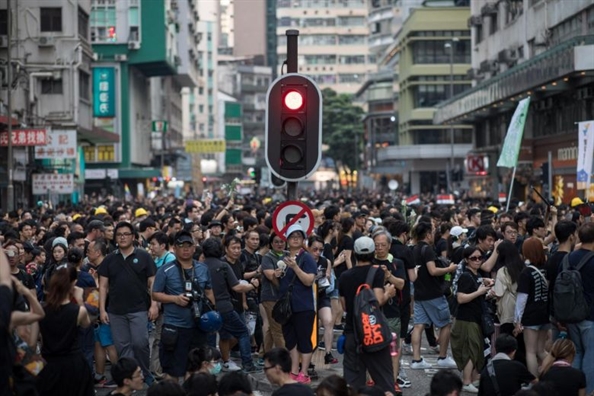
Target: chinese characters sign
104, 90
61, 144
206, 146
44, 183
25, 137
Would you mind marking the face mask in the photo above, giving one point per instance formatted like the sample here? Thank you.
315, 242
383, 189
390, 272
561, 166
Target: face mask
216, 369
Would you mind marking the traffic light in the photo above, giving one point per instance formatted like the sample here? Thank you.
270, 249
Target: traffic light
293, 127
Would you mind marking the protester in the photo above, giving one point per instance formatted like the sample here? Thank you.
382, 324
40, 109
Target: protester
556, 369
278, 366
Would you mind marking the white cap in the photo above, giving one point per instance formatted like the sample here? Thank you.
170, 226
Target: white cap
457, 231
295, 228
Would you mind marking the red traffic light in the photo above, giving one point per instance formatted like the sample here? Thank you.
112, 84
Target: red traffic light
293, 100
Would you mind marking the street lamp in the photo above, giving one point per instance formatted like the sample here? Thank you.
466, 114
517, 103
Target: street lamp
450, 45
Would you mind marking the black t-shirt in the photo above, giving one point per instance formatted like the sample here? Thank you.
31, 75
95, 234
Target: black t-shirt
552, 268
404, 253
471, 311
427, 286
532, 282
392, 307
296, 389
128, 292
346, 243
510, 374
223, 279
236, 298
567, 381
6, 344
348, 284
25, 278
441, 246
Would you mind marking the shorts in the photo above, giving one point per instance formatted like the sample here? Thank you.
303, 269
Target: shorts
174, 362
394, 324
324, 302
297, 332
436, 312
545, 326
103, 335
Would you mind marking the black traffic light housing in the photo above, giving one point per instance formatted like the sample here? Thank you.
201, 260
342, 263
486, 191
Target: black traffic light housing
293, 127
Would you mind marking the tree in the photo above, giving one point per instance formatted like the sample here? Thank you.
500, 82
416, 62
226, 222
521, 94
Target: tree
342, 128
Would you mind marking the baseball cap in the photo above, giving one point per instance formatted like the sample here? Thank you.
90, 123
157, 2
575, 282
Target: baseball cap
295, 228
493, 209
457, 231
364, 245
183, 237
576, 202
140, 212
215, 223
95, 225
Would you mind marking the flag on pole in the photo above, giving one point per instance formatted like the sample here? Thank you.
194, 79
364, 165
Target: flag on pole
585, 150
127, 193
513, 138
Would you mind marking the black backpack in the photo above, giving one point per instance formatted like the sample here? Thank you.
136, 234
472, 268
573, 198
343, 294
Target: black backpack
569, 303
372, 332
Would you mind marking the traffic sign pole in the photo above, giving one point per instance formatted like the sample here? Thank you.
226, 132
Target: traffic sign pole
292, 67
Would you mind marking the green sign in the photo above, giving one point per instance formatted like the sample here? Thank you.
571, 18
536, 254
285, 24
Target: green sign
160, 126
104, 91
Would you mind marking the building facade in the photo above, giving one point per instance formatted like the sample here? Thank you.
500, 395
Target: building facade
333, 41
532, 48
432, 54
51, 78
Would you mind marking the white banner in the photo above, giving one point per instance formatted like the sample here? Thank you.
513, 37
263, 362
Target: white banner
61, 144
44, 183
585, 150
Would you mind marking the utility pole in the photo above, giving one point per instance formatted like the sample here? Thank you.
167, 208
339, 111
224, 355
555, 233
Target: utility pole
450, 171
9, 166
292, 67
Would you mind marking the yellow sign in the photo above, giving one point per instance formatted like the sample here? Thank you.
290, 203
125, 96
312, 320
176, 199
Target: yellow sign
207, 146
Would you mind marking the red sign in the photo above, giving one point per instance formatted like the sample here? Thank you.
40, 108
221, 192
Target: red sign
25, 137
290, 213
475, 164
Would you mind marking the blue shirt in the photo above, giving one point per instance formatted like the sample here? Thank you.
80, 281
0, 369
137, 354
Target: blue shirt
302, 298
167, 258
169, 281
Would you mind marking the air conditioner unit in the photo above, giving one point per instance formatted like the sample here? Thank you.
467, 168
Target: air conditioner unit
170, 16
493, 66
177, 60
507, 56
46, 41
475, 20
3, 41
489, 9
121, 57
133, 45
485, 66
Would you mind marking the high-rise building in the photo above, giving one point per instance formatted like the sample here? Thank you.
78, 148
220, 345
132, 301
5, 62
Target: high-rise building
333, 41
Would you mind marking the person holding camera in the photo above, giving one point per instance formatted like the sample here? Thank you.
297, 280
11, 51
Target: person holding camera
182, 286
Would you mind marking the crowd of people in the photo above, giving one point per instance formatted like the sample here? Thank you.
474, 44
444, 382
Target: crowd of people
174, 291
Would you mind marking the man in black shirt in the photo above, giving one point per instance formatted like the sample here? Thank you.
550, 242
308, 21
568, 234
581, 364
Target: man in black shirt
357, 363
510, 374
565, 231
277, 367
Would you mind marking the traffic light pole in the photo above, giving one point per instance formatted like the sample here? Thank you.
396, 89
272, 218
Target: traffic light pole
292, 67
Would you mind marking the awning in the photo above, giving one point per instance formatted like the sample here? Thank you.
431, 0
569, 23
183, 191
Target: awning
139, 173
97, 136
561, 60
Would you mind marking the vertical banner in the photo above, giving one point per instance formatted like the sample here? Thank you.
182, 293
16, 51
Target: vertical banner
585, 153
104, 91
513, 137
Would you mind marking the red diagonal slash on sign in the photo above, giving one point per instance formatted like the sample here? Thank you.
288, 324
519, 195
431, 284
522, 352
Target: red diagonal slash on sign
292, 221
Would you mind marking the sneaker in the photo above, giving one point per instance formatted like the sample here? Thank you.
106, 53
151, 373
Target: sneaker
231, 366
110, 384
303, 379
397, 390
401, 372
329, 359
322, 346
252, 369
421, 365
407, 349
259, 362
339, 327
446, 362
403, 383
470, 388
477, 383
434, 349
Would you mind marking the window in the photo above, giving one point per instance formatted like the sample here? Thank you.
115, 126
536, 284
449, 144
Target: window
350, 78
431, 95
3, 23
84, 85
351, 21
51, 87
51, 19
83, 24
351, 40
105, 153
103, 22
478, 31
351, 59
90, 154
200, 90
494, 23
201, 109
317, 39
513, 9
432, 52
442, 136
319, 59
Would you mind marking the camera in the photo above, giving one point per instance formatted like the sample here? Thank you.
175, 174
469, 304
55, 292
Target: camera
194, 304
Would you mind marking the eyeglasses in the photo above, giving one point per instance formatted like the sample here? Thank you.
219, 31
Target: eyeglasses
268, 368
124, 235
511, 233
475, 258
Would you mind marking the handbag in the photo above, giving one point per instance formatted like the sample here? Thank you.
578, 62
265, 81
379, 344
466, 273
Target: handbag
282, 310
487, 322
